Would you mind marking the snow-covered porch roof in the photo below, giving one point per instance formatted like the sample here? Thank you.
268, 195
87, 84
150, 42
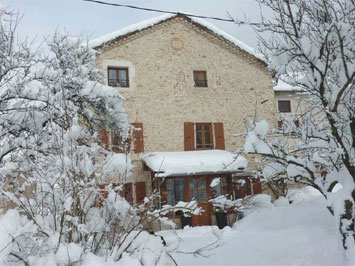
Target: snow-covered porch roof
194, 162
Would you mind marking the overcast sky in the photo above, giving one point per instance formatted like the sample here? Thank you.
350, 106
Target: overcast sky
42, 17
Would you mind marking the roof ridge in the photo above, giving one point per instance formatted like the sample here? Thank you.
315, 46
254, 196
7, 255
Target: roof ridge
156, 20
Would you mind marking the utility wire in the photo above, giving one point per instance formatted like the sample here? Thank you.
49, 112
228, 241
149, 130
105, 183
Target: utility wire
230, 19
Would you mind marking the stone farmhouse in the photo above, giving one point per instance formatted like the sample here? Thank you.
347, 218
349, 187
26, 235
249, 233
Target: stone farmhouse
187, 87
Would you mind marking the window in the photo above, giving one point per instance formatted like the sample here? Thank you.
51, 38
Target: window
118, 77
204, 136
197, 187
281, 122
220, 187
200, 79
199, 136
285, 106
175, 188
127, 192
118, 144
112, 140
242, 187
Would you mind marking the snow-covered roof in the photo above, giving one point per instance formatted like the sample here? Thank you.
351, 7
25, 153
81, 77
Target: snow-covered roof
283, 86
156, 20
194, 162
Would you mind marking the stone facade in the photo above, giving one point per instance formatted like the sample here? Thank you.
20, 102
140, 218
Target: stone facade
161, 60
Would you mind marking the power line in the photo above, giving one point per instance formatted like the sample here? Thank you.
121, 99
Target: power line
173, 12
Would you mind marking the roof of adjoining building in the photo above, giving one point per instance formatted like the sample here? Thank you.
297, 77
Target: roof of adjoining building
194, 162
125, 32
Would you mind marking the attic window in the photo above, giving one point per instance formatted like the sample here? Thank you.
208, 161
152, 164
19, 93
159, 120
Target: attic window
118, 77
200, 78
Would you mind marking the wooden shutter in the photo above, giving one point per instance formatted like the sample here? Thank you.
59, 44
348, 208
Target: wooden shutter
257, 187
104, 138
104, 194
138, 137
189, 136
219, 136
140, 192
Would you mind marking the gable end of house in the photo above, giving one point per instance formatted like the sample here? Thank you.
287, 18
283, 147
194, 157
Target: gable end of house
205, 29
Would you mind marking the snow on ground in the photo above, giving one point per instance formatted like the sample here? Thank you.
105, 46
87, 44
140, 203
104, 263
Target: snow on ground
303, 233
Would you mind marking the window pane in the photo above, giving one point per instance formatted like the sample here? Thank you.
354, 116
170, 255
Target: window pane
207, 137
193, 195
122, 74
179, 190
237, 194
127, 194
195, 75
201, 184
170, 196
202, 196
112, 77
217, 189
175, 188
192, 184
199, 139
116, 139
122, 77
245, 189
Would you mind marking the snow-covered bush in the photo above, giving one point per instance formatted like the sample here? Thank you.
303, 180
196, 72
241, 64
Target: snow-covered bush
54, 173
61, 185
312, 47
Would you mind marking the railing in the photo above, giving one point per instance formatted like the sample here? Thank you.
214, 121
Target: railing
200, 83
118, 83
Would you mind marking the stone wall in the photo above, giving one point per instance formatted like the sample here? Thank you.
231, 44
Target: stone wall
162, 95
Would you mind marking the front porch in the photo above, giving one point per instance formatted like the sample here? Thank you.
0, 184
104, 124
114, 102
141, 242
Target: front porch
199, 176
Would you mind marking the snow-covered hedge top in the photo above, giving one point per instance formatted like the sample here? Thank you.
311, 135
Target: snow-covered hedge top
153, 21
194, 162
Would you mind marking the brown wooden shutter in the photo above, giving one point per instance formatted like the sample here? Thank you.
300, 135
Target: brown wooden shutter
140, 192
219, 136
189, 136
138, 137
104, 194
104, 138
257, 187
